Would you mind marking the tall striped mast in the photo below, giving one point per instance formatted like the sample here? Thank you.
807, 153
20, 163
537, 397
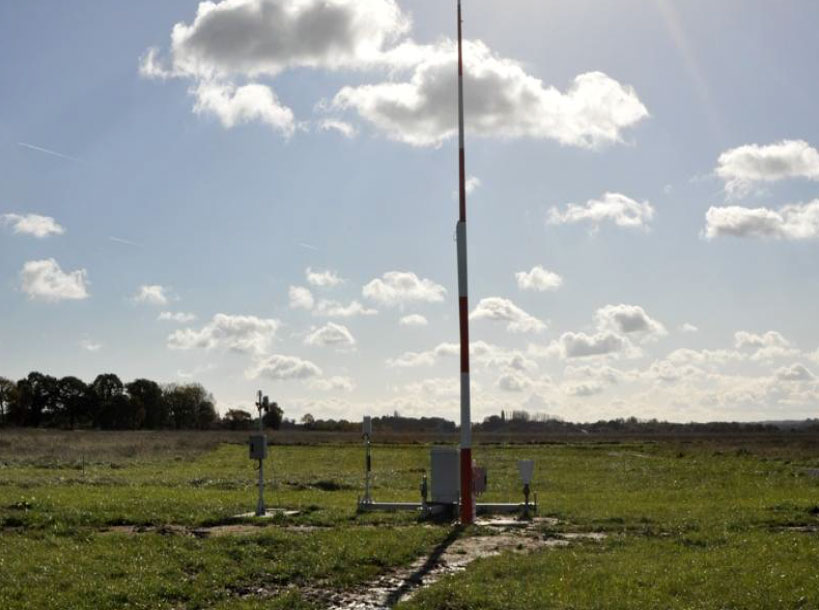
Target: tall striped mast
467, 505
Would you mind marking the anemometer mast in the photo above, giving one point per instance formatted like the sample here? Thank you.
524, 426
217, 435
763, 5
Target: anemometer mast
258, 449
467, 504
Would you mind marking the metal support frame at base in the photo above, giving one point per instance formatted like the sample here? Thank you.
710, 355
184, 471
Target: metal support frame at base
483, 508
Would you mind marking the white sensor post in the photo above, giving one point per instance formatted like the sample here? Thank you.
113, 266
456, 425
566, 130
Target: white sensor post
367, 432
526, 468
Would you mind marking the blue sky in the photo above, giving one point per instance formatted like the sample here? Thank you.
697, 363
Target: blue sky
643, 221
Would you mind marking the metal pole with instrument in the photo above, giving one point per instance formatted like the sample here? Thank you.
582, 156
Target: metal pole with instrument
258, 449
367, 430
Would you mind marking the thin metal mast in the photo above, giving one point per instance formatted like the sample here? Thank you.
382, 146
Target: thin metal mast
467, 505
260, 509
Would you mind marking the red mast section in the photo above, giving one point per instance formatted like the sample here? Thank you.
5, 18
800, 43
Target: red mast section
467, 503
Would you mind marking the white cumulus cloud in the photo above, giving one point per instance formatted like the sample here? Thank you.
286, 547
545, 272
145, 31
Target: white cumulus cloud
612, 207
322, 279
266, 37
583, 389
234, 105
153, 294
300, 298
44, 280
538, 279
176, 316
514, 381
334, 309
767, 346
627, 319
600, 374
401, 287
32, 224
743, 167
709, 357
504, 310
795, 372
90, 346
748, 340
796, 221
280, 368
668, 372
482, 353
331, 335
343, 127
243, 334
233, 40
337, 383
414, 319
503, 101
412, 359
581, 345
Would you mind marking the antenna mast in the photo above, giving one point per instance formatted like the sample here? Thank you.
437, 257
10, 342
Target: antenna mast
467, 504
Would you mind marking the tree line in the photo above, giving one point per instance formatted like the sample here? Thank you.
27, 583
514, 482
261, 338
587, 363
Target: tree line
40, 400
107, 403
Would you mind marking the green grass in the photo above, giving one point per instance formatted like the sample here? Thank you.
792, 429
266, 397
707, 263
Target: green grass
688, 525
151, 570
755, 570
693, 529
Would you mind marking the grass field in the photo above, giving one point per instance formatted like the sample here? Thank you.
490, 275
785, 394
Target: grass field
697, 524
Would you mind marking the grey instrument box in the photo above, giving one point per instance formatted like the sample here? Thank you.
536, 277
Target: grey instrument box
258, 446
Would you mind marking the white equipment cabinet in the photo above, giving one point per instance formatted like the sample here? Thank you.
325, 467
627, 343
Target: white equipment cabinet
446, 476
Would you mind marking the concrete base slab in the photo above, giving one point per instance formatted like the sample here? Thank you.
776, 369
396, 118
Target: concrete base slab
482, 508
503, 522
389, 506
269, 514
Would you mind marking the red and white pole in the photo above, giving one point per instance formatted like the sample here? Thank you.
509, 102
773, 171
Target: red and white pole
467, 505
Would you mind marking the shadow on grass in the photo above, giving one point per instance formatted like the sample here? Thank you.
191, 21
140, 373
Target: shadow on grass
416, 579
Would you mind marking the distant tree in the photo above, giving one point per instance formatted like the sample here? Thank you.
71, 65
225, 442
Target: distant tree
206, 414
36, 399
273, 417
149, 403
128, 414
181, 409
8, 394
42, 400
190, 406
73, 402
106, 393
16, 408
237, 419
308, 420
493, 422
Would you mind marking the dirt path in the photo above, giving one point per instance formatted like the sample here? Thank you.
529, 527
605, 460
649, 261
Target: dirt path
236, 529
453, 555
